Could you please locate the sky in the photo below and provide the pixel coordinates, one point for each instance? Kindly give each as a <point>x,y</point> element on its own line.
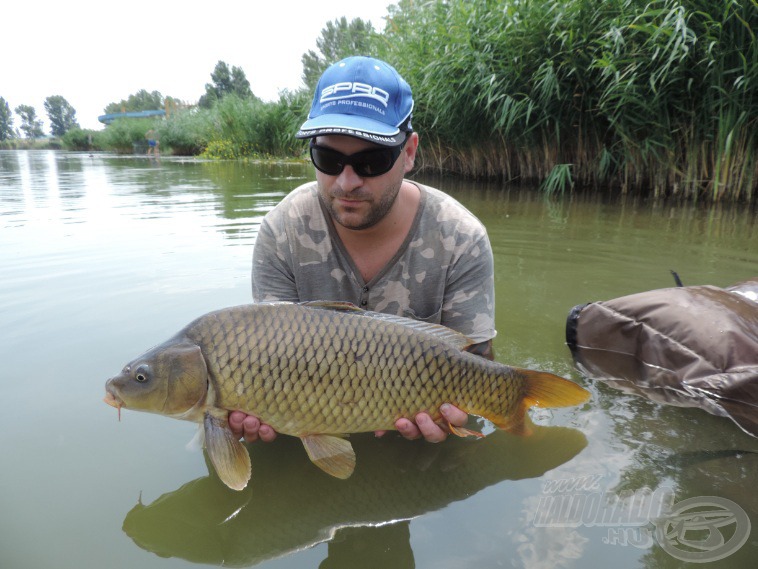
<point>94,53</point>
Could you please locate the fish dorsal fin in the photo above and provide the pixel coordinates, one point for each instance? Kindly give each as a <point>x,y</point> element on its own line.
<point>339,306</point>
<point>448,335</point>
<point>333,455</point>
<point>229,457</point>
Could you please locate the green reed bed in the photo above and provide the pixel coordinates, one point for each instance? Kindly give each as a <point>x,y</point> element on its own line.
<point>648,96</point>
<point>248,127</point>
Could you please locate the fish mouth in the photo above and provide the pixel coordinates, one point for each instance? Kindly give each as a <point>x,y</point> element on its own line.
<point>113,401</point>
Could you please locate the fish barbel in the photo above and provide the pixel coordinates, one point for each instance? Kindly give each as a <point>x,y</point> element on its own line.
<point>319,371</point>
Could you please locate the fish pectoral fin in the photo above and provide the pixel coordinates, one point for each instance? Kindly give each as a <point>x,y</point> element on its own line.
<point>228,455</point>
<point>333,455</point>
<point>463,432</point>
<point>198,441</point>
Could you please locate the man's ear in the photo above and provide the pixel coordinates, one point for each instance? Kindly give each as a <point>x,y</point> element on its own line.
<point>410,151</point>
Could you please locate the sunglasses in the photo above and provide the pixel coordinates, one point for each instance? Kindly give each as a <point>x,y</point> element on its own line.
<point>366,164</point>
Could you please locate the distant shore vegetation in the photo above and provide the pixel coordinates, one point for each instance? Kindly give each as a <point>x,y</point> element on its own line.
<point>655,97</point>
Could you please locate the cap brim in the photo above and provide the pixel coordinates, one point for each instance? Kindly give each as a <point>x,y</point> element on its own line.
<point>351,125</point>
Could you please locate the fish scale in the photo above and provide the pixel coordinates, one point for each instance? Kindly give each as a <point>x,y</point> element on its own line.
<point>400,357</point>
<point>321,370</point>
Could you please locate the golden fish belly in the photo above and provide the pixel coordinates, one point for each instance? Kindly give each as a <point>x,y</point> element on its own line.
<point>307,371</point>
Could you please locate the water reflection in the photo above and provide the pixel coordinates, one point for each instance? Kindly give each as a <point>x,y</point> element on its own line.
<point>117,252</point>
<point>364,519</point>
<point>692,454</point>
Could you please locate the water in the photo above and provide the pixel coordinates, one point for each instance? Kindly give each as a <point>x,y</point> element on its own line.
<point>105,256</point>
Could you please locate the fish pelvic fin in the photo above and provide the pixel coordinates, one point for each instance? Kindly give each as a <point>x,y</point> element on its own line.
<point>463,432</point>
<point>334,455</point>
<point>228,455</point>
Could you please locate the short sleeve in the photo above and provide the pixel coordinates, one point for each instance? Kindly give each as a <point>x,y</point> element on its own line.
<point>272,276</point>
<point>469,302</point>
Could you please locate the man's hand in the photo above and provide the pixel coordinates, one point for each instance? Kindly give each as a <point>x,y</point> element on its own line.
<point>250,428</point>
<point>425,427</point>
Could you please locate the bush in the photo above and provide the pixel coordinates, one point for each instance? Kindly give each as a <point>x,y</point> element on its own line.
<point>186,132</point>
<point>280,121</point>
<point>125,136</point>
<point>251,128</point>
<point>81,139</point>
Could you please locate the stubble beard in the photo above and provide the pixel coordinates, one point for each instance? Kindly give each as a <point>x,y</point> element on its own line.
<point>374,215</point>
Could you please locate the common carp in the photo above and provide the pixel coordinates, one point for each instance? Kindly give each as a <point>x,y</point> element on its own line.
<point>319,371</point>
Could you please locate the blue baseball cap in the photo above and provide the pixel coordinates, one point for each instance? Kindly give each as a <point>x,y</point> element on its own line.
<point>361,97</point>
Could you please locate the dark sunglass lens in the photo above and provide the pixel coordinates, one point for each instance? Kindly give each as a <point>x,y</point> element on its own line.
<point>374,164</point>
<point>326,160</point>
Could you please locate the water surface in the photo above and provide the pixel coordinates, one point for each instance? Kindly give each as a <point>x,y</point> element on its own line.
<point>104,256</point>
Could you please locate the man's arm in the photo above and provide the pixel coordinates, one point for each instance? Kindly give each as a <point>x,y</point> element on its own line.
<point>251,429</point>
<point>483,349</point>
<point>273,280</point>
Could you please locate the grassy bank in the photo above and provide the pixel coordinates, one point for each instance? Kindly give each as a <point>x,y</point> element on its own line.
<point>233,128</point>
<point>31,144</point>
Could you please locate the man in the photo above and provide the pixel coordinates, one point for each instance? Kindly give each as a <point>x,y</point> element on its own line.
<point>363,234</point>
<point>152,142</point>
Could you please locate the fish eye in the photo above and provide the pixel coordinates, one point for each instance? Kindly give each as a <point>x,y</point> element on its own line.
<point>142,373</point>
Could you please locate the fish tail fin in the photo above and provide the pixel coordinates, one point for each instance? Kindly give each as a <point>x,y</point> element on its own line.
<point>541,389</point>
<point>547,390</point>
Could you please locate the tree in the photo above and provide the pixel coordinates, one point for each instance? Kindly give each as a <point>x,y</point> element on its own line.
<point>6,121</point>
<point>225,82</point>
<point>61,114</point>
<point>339,39</point>
<point>30,124</point>
<point>139,101</point>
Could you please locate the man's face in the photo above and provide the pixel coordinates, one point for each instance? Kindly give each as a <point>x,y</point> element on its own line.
<point>355,202</point>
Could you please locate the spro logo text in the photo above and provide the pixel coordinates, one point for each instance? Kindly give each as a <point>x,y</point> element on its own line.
<point>349,89</point>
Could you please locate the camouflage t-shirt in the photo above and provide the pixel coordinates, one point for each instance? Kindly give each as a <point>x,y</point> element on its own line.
<point>442,273</point>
